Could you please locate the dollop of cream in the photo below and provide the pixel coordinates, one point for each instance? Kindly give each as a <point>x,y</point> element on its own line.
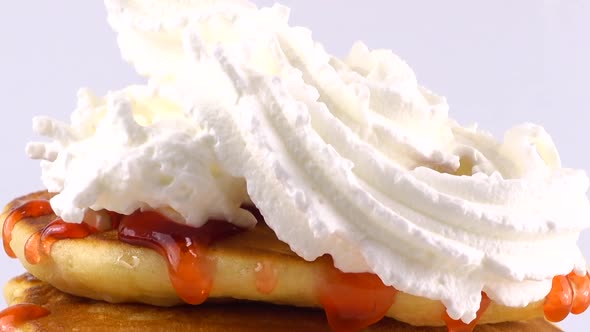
<point>348,157</point>
<point>135,150</point>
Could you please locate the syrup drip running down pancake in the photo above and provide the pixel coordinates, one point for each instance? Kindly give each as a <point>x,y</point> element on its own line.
<point>246,265</point>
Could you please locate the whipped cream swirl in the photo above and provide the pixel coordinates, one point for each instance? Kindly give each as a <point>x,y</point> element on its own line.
<point>348,157</point>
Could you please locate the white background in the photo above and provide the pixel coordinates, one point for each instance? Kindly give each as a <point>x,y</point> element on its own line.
<point>499,63</point>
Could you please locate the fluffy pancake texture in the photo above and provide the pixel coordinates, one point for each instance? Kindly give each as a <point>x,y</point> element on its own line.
<point>74,313</point>
<point>103,268</point>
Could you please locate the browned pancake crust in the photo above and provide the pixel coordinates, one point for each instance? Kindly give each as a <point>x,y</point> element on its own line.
<point>70,313</point>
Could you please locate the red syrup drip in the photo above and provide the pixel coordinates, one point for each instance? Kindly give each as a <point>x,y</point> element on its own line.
<point>31,209</point>
<point>16,315</point>
<point>38,246</point>
<point>558,302</point>
<point>185,248</point>
<point>459,326</point>
<point>266,276</point>
<point>353,301</point>
<point>581,287</point>
<point>569,294</point>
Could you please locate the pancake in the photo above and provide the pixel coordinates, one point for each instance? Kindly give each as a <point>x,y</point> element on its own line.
<point>103,268</point>
<point>70,313</point>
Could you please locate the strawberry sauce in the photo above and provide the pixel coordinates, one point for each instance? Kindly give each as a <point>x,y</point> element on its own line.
<point>266,276</point>
<point>39,244</point>
<point>353,301</point>
<point>569,294</point>
<point>190,269</point>
<point>581,287</point>
<point>16,315</point>
<point>31,209</point>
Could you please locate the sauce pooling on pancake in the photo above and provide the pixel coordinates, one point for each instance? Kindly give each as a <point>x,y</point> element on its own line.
<point>352,301</point>
<point>16,315</point>
<point>30,209</point>
<point>40,243</point>
<point>190,269</point>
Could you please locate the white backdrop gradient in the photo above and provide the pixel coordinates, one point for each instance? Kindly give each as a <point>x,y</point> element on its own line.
<point>499,63</point>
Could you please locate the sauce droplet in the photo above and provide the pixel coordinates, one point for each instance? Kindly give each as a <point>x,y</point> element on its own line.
<point>558,302</point>
<point>581,288</point>
<point>31,209</point>
<point>184,247</point>
<point>16,315</point>
<point>38,246</point>
<point>353,301</point>
<point>459,326</point>
<point>266,276</point>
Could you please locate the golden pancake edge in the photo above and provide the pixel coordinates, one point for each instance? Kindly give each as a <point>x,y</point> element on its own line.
<point>102,268</point>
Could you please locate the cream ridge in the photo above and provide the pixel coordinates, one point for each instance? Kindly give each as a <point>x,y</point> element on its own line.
<point>348,157</point>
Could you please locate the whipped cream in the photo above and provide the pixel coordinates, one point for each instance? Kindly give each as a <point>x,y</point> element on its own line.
<point>348,157</point>
<point>134,150</point>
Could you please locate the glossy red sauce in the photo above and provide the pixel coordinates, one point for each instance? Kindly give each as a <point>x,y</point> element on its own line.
<point>38,246</point>
<point>558,302</point>
<point>190,269</point>
<point>353,301</point>
<point>16,315</point>
<point>266,276</point>
<point>459,326</point>
<point>569,294</point>
<point>581,287</point>
<point>31,209</point>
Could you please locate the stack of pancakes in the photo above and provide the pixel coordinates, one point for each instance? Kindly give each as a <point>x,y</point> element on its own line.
<point>99,283</point>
